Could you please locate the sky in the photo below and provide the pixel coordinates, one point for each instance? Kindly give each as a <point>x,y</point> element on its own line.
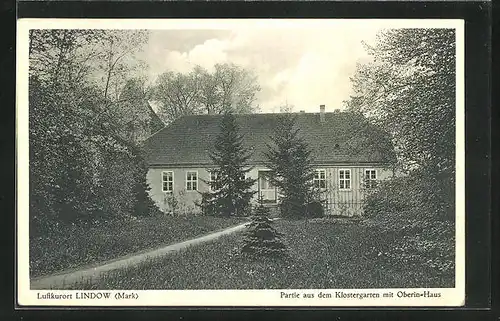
<point>303,67</point>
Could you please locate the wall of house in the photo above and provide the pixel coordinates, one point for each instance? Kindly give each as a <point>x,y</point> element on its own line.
<point>347,202</point>
<point>181,200</point>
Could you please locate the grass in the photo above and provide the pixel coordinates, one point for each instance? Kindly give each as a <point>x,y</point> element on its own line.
<point>71,246</point>
<point>325,253</point>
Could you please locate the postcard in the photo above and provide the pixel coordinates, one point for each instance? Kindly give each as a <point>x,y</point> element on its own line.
<point>240,162</point>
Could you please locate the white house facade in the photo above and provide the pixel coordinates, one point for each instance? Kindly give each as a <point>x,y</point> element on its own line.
<point>348,158</point>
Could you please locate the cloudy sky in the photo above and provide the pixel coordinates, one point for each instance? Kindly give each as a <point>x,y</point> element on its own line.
<point>304,67</point>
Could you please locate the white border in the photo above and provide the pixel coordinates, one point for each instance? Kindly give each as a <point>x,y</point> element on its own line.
<point>26,297</point>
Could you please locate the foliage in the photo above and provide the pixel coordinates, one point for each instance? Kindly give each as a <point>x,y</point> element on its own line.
<point>409,209</point>
<point>105,59</point>
<point>176,94</point>
<point>315,209</point>
<point>70,246</point>
<point>230,192</point>
<point>262,239</point>
<point>174,204</point>
<point>117,61</point>
<point>203,92</point>
<point>290,162</point>
<point>143,204</point>
<point>398,197</point>
<point>82,167</point>
<point>390,197</point>
<point>409,90</point>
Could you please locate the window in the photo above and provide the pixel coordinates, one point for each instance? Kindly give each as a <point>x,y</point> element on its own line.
<point>265,181</point>
<point>191,181</point>
<point>344,179</point>
<point>370,178</point>
<point>319,179</point>
<point>167,179</point>
<point>213,177</point>
<point>267,191</point>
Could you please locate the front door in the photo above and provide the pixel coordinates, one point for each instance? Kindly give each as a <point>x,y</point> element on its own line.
<point>267,191</point>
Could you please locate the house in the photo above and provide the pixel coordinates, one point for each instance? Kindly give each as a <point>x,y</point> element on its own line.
<point>350,156</point>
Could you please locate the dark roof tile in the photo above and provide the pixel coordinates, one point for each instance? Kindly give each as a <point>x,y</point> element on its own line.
<point>342,138</point>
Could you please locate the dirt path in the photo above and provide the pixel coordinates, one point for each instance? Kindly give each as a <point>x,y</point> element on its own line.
<point>66,279</point>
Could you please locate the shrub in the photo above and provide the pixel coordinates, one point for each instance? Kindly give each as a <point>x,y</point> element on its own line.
<point>207,207</point>
<point>294,210</point>
<point>315,209</point>
<point>391,197</point>
<point>418,223</point>
<point>421,196</point>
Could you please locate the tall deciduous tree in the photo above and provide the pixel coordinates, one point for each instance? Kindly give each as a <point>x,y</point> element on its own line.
<point>409,90</point>
<point>231,192</point>
<point>236,88</point>
<point>177,95</point>
<point>117,61</point>
<point>80,167</point>
<point>290,162</point>
<point>228,87</point>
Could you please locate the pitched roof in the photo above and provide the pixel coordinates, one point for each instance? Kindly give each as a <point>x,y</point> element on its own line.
<point>155,122</point>
<point>343,137</point>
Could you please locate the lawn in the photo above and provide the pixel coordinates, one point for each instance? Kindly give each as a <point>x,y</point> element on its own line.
<point>71,246</point>
<point>333,253</point>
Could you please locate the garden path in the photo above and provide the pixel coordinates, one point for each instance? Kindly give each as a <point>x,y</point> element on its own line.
<point>67,278</point>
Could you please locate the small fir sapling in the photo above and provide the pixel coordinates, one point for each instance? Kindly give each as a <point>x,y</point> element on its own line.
<point>262,239</point>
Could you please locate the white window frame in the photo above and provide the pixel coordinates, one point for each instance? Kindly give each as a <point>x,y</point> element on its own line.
<point>191,181</point>
<point>344,180</point>
<point>319,179</point>
<point>163,181</point>
<point>368,178</point>
<point>210,173</point>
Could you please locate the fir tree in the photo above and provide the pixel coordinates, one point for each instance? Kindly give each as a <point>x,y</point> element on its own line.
<point>230,190</point>
<point>290,162</point>
<point>262,239</point>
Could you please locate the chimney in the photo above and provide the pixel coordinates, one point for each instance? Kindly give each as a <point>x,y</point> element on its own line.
<point>322,113</point>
